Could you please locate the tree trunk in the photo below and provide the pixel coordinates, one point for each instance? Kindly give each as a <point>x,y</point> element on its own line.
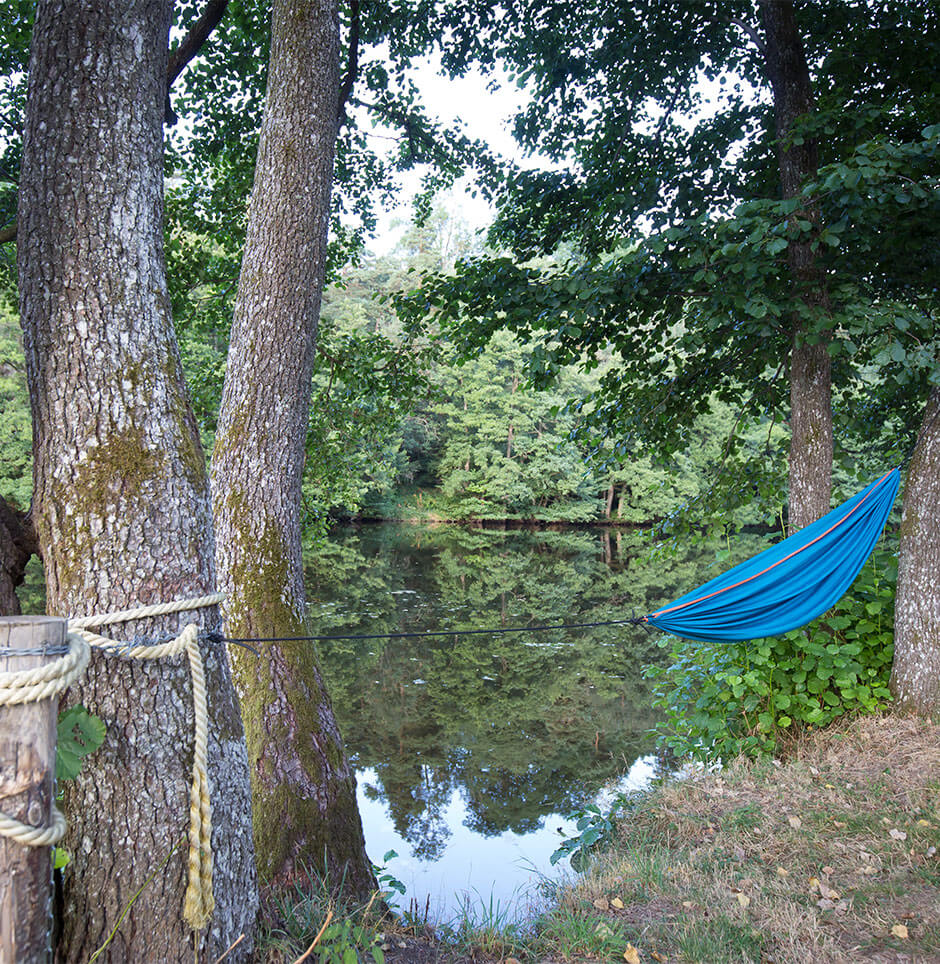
<point>609,505</point>
<point>17,545</point>
<point>810,378</point>
<point>302,784</point>
<point>120,490</point>
<point>915,673</point>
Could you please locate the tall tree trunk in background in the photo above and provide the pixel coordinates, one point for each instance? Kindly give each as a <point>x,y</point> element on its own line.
<point>303,787</point>
<point>915,672</point>
<point>17,545</point>
<point>121,497</point>
<point>810,379</point>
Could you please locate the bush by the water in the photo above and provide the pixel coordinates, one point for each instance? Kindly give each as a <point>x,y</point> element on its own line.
<point>725,699</point>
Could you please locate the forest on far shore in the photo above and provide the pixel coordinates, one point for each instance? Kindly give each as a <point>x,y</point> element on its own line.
<point>402,427</point>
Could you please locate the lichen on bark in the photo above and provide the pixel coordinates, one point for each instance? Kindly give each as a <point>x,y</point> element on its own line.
<point>120,492</point>
<point>915,671</point>
<point>303,789</point>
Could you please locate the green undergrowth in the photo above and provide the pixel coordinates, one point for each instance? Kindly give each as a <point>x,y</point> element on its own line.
<point>314,917</point>
<point>720,700</point>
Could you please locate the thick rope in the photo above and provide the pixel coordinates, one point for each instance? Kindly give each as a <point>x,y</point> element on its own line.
<point>50,679</point>
<point>199,901</point>
<point>142,612</point>
<point>32,686</point>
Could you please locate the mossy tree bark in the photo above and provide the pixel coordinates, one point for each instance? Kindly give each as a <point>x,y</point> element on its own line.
<point>303,787</point>
<point>121,499</point>
<point>915,672</point>
<point>810,470</point>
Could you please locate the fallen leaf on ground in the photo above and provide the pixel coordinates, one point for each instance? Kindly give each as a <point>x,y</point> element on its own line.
<point>602,903</point>
<point>795,822</point>
<point>688,904</point>
<point>617,903</point>
<point>923,823</point>
<point>631,955</point>
<point>828,870</point>
<point>897,834</point>
<point>899,930</point>
<point>743,900</point>
<point>783,872</point>
<point>814,883</point>
<point>659,957</point>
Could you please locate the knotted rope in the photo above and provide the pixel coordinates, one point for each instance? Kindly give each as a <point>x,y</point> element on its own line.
<point>32,686</point>
<point>199,901</point>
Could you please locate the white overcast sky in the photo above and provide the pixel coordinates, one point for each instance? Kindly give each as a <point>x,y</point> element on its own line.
<point>485,115</point>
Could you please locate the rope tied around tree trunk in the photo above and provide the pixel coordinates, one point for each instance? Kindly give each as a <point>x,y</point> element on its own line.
<point>199,901</point>
<point>33,686</point>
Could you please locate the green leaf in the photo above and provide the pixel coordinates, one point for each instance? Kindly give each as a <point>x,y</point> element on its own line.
<point>79,734</point>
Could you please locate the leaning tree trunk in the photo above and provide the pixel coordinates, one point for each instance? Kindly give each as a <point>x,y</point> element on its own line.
<point>915,672</point>
<point>303,788</point>
<point>810,486</point>
<point>121,495</point>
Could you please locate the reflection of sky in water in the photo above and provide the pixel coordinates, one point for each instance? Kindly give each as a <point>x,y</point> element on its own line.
<point>472,869</point>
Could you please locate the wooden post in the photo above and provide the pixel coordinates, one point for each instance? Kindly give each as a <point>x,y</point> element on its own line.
<point>27,776</point>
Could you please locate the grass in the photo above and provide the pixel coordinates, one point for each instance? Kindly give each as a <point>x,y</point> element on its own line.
<point>830,856</point>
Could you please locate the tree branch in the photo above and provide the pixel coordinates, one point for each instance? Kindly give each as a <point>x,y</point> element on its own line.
<point>189,47</point>
<point>352,63</point>
<point>751,32</point>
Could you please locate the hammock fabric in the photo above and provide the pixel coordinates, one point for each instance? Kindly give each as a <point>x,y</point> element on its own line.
<point>790,584</point>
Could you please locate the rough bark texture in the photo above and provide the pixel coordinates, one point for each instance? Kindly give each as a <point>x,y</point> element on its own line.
<point>810,377</point>
<point>915,672</point>
<point>303,788</point>
<point>17,544</point>
<point>121,495</point>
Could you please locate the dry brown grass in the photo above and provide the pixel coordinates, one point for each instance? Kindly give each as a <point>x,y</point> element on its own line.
<point>830,856</point>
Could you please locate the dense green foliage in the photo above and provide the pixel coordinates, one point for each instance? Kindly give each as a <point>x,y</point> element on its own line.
<point>724,699</point>
<point>667,198</point>
<point>16,433</point>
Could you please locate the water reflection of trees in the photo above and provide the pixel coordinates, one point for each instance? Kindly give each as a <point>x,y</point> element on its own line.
<point>521,725</point>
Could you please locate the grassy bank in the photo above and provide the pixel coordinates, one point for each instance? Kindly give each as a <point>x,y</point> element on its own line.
<point>829,856</point>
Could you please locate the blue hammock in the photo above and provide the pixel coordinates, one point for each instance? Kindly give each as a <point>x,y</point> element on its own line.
<point>790,584</point>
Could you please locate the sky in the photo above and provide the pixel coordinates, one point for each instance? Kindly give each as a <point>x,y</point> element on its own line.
<point>485,114</point>
<point>485,105</point>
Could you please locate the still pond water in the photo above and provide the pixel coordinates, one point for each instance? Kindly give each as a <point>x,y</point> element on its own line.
<point>471,750</point>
